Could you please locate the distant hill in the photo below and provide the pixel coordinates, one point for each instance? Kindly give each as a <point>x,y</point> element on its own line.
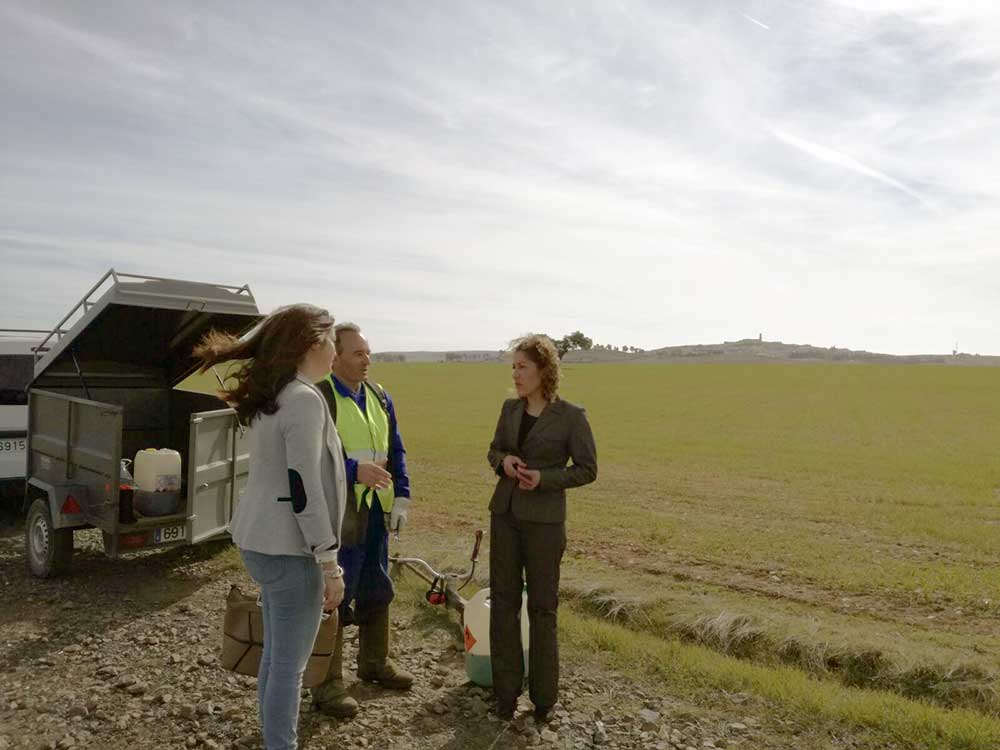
<point>468,355</point>
<point>744,350</point>
<point>757,350</point>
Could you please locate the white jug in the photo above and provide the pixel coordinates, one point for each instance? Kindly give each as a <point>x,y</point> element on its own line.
<point>157,470</point>
<point>476,621</point>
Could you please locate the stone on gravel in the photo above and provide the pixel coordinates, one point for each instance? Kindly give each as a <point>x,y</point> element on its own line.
<point>649,720</point>
<point>549,736</point>
<point>600,733</point>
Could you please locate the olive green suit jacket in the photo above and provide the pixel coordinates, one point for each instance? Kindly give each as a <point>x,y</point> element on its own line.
<point>561,434</point>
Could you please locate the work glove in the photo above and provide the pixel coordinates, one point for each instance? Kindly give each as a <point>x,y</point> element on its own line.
<point>397,518</point>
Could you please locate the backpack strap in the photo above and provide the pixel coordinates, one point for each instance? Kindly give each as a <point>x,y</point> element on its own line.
<point>326,389</point>
<point>383,399</point>
<point>380,392</point>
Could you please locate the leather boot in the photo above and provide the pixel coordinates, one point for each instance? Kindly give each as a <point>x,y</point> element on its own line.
<point>331,696</point>
<point>374,664</point>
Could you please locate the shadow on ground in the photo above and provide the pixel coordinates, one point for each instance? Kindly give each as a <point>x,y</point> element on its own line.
<point>101,593</point>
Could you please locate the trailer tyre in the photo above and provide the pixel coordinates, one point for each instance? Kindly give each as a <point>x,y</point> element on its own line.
<point>49,550</point>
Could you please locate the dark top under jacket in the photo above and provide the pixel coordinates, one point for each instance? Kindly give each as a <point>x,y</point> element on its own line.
<point>560,435</point>
<point>527,422</point>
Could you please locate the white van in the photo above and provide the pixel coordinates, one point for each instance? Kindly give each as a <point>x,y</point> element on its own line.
<point>17,361</point>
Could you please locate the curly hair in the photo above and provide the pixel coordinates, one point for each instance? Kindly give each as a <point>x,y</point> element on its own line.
<point>540,350</point>
<point>272,353</point>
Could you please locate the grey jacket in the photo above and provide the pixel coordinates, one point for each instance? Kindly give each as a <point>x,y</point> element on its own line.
<point>296,491</point>
<point>561,433</point>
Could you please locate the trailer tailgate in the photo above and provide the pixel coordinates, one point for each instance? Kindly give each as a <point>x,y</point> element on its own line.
<point>218,463</point>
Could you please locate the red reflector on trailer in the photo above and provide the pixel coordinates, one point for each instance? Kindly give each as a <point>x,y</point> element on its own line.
<point>71,506</point>
<point>132,540</point>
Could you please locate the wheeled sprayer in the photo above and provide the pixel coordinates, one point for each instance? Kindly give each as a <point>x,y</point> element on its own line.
<point>445,590</point>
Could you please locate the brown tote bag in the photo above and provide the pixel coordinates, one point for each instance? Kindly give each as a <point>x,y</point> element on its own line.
<point>243,639</point>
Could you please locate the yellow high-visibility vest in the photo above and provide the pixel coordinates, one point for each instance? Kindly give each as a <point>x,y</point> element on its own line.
<point>366,437</point>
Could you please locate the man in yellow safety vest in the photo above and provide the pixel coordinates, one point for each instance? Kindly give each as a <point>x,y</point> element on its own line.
<point>378,498</point>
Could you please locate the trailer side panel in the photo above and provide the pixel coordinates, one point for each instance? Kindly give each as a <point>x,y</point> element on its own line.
<point>76,442</point>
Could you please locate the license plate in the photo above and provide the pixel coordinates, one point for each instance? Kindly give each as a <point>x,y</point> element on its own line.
<point>165,534</point>
<point>13,457</point>
<point>13,445</point>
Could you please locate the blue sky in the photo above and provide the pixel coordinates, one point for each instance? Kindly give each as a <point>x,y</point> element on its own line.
<point>450,175</point>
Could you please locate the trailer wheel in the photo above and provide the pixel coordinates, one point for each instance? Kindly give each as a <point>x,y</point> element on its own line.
<point>49,550</point>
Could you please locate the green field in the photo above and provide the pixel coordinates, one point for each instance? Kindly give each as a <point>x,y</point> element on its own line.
<point>839,520</point>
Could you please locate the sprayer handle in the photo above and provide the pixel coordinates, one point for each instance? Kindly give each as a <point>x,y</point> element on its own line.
<point>479,540</point>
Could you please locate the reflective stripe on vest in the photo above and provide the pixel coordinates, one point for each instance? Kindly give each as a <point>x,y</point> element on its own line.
<point>366,439</point>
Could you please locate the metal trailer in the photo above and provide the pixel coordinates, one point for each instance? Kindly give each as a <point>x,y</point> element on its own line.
<point>103,390</point>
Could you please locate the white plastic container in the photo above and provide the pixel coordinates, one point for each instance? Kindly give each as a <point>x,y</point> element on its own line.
<point>157,470</point>
<point>476,622</point>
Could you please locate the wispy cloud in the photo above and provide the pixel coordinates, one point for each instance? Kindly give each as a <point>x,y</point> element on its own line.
<point>751,19</point>
<point>62,37</point>
<point>832,156</point>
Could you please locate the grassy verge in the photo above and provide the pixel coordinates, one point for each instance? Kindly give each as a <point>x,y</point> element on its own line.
<point>936,678</point>
<point>692,670</point>
<point>856,645</point>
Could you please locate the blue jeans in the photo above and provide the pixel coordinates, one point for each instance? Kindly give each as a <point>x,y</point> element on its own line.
<point>291,590</point>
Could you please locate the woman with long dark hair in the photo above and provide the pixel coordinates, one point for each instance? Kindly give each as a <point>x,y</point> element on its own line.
<point>287,524</point>
<point>537,435</point>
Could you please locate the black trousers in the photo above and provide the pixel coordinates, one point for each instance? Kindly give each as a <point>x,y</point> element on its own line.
<point>536,550</point>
